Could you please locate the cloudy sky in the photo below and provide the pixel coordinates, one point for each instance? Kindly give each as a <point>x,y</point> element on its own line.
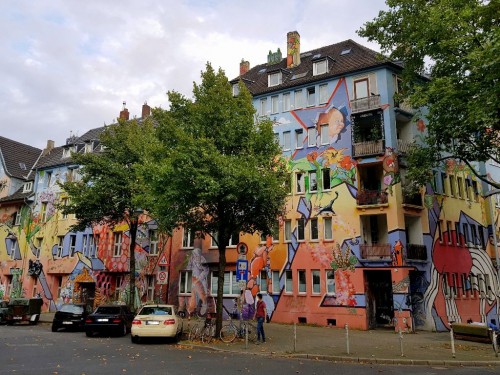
<point>68,65</point>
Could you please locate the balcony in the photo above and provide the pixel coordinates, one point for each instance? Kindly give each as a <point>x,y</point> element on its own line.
<point>416,252</point>
<point>404,146</point>
<point>375,251</point>
<point>413,200</point>
<point>368,148</point>
<point>371,197</point>
<point>405,107</point>
<point>365,104</point>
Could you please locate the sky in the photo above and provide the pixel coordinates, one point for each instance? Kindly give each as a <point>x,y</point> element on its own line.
<point>67,66</point>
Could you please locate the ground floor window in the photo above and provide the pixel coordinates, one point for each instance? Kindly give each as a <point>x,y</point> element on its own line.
<point>185,282</point>
<point>231,287</point>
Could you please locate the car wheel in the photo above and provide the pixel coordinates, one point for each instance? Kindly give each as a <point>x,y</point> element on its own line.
<point>54,328</point>
<point>89,333</point>
<point>123,330</point>
<point>134,339</point>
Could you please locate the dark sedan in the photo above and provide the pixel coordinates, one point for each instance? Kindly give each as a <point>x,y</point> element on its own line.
<point>71,316</point>
<point>115,319</point>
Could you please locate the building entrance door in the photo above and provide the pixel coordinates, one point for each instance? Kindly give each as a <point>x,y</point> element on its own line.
<point>379,301</point>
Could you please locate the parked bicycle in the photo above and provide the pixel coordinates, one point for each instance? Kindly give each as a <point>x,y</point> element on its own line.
<point>203,332</point>
<point>232,330</point>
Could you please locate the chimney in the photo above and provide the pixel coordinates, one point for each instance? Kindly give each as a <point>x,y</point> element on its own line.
<point>50,147</point>
<point>244,67</point>
<point>292,49</point>
<point>124,114</point>
<point>146,110</point>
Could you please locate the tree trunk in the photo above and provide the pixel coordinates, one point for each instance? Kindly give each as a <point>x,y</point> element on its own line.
<point>133,235</point>
<point>220,287</point>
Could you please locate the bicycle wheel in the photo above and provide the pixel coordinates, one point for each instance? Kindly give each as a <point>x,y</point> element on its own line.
<point>252,331</point>
<point>228,334</point>
<point>194,333</point>
<point>208,334</point>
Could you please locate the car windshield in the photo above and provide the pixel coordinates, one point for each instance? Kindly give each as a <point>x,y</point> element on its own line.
<point>108,310</point>
<point>156,310</point>
<point>75,309</point>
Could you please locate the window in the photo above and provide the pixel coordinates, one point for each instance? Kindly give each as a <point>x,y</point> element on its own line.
<point>299,138</point>
<point>59,285</point>
<point>467,189</point>
<point>443,183</point>
<point>73,174</point>
<point>233,240</point>
<point>263,107</point>
<point>327,228</point>
<point>460,184</point>
<point>320,67</point>
<point>150,292</point>
<point>275,233</point>
<point>326,179</point>
<point>463,281</point>
<point>117,244</point>
<point>466,233</point>
<point>316,281</point>
<point>457,233</point>
<point>454,279</point>
<point>275,281</point>
<point>274,104</point>
<point>67,152</point>
<point>48,179</point>
<point>274,79</point>
<point>91,246</point>
<point>299,186</point>
<point>64,202</point>
<point>96,245</point>
<point>17,220</point>
<point>236,89</point>
<point>287,228</point>
<point>27,187</point>
<point>452,185</point>
<point>60,246</point>
<point>288,281</point>
<point>313,225</point>
<point>323,94</point>
<point>185,282</point>
<point>263,281</point>
<point>481,285</point>
<point>323,130</point>
<point>330,282</point>
<point>187,238</point>
<point>298,99</point>
<point>311,96</point>
<point>35,286</point>
<point>361,88</point>
<point>84,246</point>
<point>311,137</point>
<point>475,190</point>
<point>72,244</point>
<point>153,242</point>
<point>474,235</point>
<point>301,279</point>
<point>313,182</point>
<point>89,146</point>
<point>231,286</point>
<point>286,102</point>
<point>446,287</point>
<point>301,224</point>
<point>440,230</point>
<point>448,231</point>
<point>287,141</point>
<point>43,212</point>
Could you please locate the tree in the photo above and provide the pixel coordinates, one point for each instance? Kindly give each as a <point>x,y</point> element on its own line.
<point>457,44</point>
<point>217,170</point>
<point>109,188</point>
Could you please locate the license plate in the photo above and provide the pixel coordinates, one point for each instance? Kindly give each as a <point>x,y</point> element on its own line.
<point>67,323</point>
<point>152,322</point>
<point>18,317</point>
<point>102,320</point>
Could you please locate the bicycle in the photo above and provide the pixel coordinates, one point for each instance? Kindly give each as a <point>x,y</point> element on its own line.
<point>205,332</point>
<point>230,331</point>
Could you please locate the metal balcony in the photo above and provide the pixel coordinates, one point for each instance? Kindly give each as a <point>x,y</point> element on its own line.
<point>375,251</point>
<point>365,104</point>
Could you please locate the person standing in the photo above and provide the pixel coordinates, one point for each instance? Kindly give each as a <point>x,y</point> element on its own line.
<point>260,315</point>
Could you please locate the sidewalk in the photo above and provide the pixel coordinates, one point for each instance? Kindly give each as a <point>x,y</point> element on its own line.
<point>376,346</point>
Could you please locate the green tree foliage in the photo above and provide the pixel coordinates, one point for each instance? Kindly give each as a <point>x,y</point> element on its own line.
<point>217,169</point>
<point>456,43</point>
<point>109,188</point>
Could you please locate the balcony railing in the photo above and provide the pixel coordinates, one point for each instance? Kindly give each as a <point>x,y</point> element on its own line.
<point>404,146</point>
<point>368,148</point>
<point>365,104</point>
<point>404,107</point>
<point>371,197</point>
<point>413,199</point>
<point>416,252</point>
<point>375,251</point>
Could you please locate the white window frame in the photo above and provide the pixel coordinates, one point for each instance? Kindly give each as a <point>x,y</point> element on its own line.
<point>117,244</point>
<point>311,137</point>
<point>274,79</point>
<point>311,96</point>
<point>43,212</point>
<point>275,277</point>
<point>72,244</point>
<point>287,140</point>
<point>320,67</point>
<point>27,187</point>
<point>300,183</point>
<point>323,93</point>
<point>274,104</point>
<point>330,282</point>
<point>60,247</point>
<point>185,282</point>
<point>263,106</point>
<point>323,133</point>
<point>263,280</point>
<point>187,238</point>
<point>315,281</point>
<point>288,281</point>
<point>327,228</point>
<point>287,230</point>
<point>17,221</point>
<point>301,229</point>
<point>236,89</point>
<point>89,147</point>
<point>286,102</point>
<point>301,282</point>
<point>233,288</point>
<point>367,89</point>
<point>313,182</point>
<point>313,229</point>
<point>85,245</point>
<point>96,245</point>
<point>91,246</point>
<point>299,138</point>
<point>153,242</point>
<point>298,101</point>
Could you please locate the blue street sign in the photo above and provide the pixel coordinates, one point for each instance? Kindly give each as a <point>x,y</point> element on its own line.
<point>242,270</point>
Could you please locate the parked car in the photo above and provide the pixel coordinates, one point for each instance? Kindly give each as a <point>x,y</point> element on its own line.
<point>109,319</point>
<point>71,316</point>
<point>156,321</point>
<point>4,309</point>
<point>24,310</point>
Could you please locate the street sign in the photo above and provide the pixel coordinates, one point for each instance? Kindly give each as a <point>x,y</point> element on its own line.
<point>242,248</point>
<point>163,262</point>
<point>162,277</point>
<point>242,270</point>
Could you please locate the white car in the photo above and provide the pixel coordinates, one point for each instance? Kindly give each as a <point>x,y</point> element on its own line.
<point>156,321</point>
